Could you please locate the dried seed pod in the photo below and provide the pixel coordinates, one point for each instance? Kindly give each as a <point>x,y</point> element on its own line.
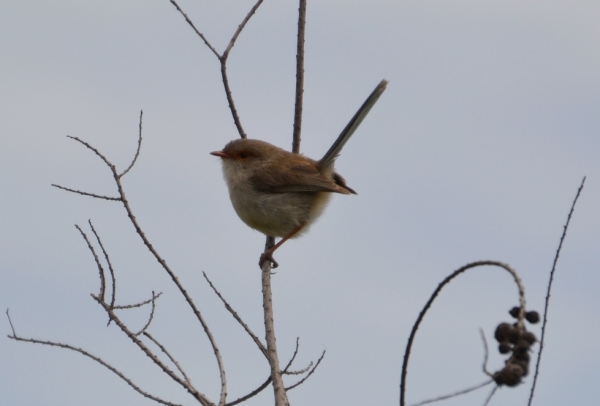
<point>513,334</point>
<point>529,337</point>
<point>510,375</point>
<point>504,348</point>
<point>514,312</point>
<point>502,332</point>
<point>532,317</point>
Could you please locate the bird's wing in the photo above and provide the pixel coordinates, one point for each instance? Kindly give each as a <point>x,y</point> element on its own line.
<point>298,176</point>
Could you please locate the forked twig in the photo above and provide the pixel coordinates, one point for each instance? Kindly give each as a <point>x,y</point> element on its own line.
<point>110,267</point>
<point>547,303</point>
<point>431,300</point>
<point>150,318</point>
<point>300,382</point>
<point>97,260</point>
<point>223,58</point>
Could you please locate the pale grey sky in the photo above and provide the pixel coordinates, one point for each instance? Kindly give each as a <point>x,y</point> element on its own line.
<point>489,123</point>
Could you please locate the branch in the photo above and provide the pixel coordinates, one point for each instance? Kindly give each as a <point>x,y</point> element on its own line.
<point>562,239</point>
<point>140,304</point>
<point>110,268</point>
<point>485,353</point>
<point>251,394</point>
<point>462,392</point>
<point>87,194</point>
<point>137,152</point>
<point>260,345</point>
<point>93,357</point>
<point>97,260</point>
<point>150,318</point>
<point>195,29</point>
<point>173,360</point>
<point>434,295</point>
<point>299,77</point>
<point>308,375</point>
<point>278,387</point>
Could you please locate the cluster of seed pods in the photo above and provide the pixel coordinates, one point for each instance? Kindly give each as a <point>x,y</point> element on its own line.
<point>514,339</point>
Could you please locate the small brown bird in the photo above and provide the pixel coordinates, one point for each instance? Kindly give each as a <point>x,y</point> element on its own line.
<point>280,193</point>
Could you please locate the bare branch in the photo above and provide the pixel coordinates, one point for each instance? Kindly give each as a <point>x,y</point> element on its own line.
<point>485,353</point>
<point>289,364</point>
<point>137,152</point>
<point>173,360</point>
<point>186,385</point>
<point>195,29</point>
<point>308,375</point>
<point>131,306</point>
<point>97,260</point>
<point>10,322</point>
<point>462,392</point>
<point>240,28</point>
<point>93,357</point>
<point>487,401</point>
<point>278,387</point>
<point>299,77</point>
<point>110,268</point>
<point>150,318</point>
<point>299,372</point>
<point>106,161</point>
<point>251,394</point>
<point>562,239</point>
<point>87,194</point>
<point>234,113</point>
<point>237,317</point>
<point>434,295</point>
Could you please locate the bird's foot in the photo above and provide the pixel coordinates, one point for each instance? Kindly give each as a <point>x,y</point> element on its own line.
<point>267,256</point>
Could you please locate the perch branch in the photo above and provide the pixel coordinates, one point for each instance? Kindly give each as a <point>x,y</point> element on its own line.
<point>562,239</point>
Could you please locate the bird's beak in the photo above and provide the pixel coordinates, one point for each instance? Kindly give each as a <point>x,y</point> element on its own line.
<point>220,154</point>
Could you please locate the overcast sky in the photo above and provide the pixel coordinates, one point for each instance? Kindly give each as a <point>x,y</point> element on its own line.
<point>490,121</point>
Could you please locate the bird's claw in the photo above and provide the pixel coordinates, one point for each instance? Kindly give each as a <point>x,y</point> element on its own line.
<point>267,256</point>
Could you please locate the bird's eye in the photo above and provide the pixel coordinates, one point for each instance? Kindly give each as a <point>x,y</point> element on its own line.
<point>244,155</point>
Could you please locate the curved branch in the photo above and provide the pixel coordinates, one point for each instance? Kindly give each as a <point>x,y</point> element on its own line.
<point>462,392</point>
<point>547,303</point>
<point>434,295</point>
<point>251,394</point>
<point>308,375</point>
<point>97,260</point>
<point>137,152</point>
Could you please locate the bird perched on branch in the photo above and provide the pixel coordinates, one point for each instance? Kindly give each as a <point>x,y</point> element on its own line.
<point>280,193</point>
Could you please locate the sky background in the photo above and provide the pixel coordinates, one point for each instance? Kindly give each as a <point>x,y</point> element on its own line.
<point>490,121</point>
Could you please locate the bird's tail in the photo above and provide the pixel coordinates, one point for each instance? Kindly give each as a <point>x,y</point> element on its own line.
<point>330,156</point>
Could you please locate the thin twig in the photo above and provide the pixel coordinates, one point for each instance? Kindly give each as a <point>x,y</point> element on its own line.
<point>150,318</point>
<point>137,152</point>
<point>307,375</point>
<point>140,304</point>
<point>236,316</point>
<point>299,78</point>
<point>432,298</point>
<point>10,322</point>
<point>87,193</point>
<point>240,28</point>
<point>462,392</point>
<point>487,401</point>
<point>110,267</point>
<point>93,357</point>
<point>485,353</point>
<point>298,372</point>
<point>97,260</point>
<point>562,238</point>
<point>289,364</point>
<point>195,29</point>
<point>173,360</point>
<point>251,394</point>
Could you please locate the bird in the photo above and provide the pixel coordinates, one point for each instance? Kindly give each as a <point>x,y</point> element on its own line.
<point>280,193</point>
